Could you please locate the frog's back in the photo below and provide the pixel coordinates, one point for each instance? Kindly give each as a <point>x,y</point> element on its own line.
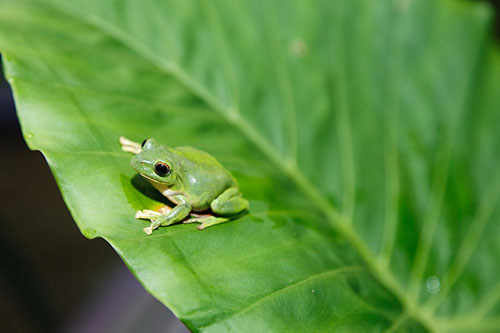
<point>198,156</point>
<point>203,176</point>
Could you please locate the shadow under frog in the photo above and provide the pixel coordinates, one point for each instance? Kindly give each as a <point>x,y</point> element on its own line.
<point>141,185</point>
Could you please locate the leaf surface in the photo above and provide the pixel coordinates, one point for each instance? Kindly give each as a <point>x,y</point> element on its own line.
<point>364,133</point>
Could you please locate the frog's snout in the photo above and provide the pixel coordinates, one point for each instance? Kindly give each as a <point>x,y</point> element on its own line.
<point>135,163</point>
<point>140,165</point>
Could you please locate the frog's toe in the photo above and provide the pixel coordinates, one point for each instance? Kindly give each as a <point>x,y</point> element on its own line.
<point>199,218</point>
<point>148,230</point>
<point>199,214</point>
<point>147,214</point>
<point>130,146</point>
<point>207,222</point>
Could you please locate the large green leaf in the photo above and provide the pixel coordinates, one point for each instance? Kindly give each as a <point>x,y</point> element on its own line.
<point>365,134</point>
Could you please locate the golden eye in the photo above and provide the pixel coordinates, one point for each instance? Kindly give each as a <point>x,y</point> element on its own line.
<point>162,169</point>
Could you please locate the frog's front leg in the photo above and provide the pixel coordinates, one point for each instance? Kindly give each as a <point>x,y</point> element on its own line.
<point>177,214</point>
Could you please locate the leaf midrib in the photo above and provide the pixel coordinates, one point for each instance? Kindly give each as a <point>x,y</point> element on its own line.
<point>232,116</point>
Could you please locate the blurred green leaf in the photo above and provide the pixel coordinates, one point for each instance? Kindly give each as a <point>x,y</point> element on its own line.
<point>365,133</point>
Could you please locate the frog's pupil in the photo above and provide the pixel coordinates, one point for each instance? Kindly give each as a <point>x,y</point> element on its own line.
<point>161,169</point>
<point>143,143</point>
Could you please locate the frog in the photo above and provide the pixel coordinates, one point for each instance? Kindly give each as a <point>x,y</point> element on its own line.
<point>202,190</point>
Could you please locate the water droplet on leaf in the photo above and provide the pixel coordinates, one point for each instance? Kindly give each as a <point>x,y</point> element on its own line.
<point>433,284</point>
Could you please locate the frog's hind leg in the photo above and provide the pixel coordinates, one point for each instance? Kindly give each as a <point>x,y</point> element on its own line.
<point>229,203</point>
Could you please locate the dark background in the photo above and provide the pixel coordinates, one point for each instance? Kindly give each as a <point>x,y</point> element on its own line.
<point>51,277</point>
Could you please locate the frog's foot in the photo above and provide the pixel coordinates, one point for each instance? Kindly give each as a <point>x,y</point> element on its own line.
<point>212,221</point>
<point>155,224</point>
<point>166,216</point>
<point>130,146</point>
<point>197,218</point>
<point>147,214</point>
<point>207,221</point>
<point>151,215</point>
<point>200,215</point>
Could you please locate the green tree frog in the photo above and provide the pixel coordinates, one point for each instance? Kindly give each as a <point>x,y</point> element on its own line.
<point>191,179</point>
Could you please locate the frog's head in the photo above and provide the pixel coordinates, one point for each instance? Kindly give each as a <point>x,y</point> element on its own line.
<point>155,163</point>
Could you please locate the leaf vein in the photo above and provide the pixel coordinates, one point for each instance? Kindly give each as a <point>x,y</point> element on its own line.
<point>267,297</point>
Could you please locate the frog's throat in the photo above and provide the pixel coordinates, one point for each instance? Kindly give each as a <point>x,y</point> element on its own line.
<point>162,187</point>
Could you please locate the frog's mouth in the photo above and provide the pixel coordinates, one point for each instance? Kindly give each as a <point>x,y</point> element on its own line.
<point>155,182</point>
<point>150,179</point>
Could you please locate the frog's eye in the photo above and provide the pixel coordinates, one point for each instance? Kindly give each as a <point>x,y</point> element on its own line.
<point>162,169</point>
<point>144,142</point>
